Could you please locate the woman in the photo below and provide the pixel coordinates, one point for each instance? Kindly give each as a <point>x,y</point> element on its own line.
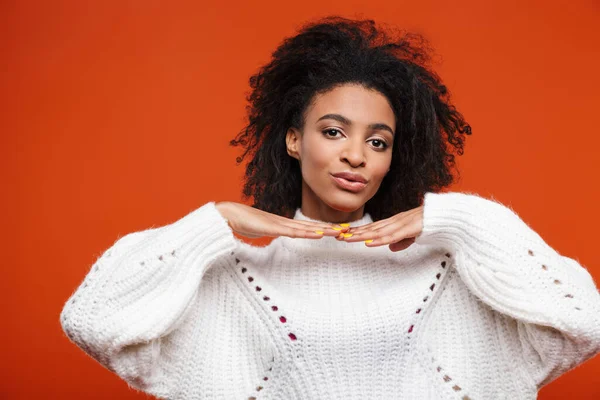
<point>351,140</point>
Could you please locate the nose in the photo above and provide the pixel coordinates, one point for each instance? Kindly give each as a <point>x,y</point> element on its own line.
<point>353,153</point>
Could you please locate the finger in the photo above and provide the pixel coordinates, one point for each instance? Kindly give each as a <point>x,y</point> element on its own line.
<point>389,234</point>
<point>373,233</point>
<point>386,239</point>
<point>373,226</point>
<point>342,232</point>
<point>381,223</point>
<point>323,229</point>
<point>295,232</point>
<point>401,245</point>
<point>368,227</point>
<point>406,232</point>
<point>392,225</point>
<point>340,227</point>
<point>366,231</point>
<point>307,225</point>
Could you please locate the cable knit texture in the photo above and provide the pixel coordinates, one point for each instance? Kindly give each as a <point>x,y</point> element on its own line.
<point>479,307</point>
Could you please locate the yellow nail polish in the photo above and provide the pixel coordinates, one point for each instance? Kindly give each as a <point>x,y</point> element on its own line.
<point>319,232</point>
<point>369,241</point>
<point>347,234</point>
<point>336,228</point>
<point>345,225</point>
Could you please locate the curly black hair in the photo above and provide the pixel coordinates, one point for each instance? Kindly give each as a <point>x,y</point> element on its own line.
<point>330,52</point>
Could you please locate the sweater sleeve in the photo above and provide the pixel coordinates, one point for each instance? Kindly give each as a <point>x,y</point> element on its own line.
<point>139,290</point>
<point>553,299</point>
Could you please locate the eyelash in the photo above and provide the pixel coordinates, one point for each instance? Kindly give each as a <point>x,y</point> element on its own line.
<point>385,145</point>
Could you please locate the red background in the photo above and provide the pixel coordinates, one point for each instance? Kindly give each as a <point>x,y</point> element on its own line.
<point>116,116</point>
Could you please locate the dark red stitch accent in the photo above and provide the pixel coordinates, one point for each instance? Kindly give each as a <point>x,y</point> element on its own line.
<point>438,275</point>
<point>425,299</point>
<point>160,258</point>
<point>544,267</point>
<point>410,329</point>
<point>443,264</point>
<point>274,308</point>
<point>265,379</point>
<point>530,252</point>
<point>448,255</point>
<point>418,311</point>
<point>569,295</point>
<point>431,287</point>
<point>259,388</point>
<point>237,260</point>
<point>244,270</point>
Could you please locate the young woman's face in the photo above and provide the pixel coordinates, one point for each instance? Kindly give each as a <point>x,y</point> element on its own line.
<point>349,129</point>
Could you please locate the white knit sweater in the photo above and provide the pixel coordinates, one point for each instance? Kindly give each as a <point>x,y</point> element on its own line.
<point>479,307</point>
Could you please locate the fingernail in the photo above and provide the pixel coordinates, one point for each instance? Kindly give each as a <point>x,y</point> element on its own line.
<point>319,232</point>
<point>347,234</point>
<point>369,241</point>
<point>345,225</point>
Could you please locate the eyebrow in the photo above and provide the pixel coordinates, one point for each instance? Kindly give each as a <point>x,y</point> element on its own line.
<point>346,121</point>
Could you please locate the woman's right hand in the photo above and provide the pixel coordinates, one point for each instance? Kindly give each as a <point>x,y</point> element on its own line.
<point>254,223</point>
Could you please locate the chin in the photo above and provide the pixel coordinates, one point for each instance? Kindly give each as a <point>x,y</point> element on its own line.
<point>346,205</point>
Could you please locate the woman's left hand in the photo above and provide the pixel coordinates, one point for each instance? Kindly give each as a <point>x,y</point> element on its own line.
<point>398,231</point>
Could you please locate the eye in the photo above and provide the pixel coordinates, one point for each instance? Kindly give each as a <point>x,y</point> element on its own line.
<point>327,131</point>
<point>380,144</point>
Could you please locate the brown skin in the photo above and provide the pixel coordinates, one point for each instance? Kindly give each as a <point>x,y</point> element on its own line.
<point>360,142</point>
<point>253,223</point>
<point>328,146</point>
<point>398,231</point>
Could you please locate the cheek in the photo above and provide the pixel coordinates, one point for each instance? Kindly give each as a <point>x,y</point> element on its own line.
<point>380,167</point>
<point>314,172</point>
<point>316,157</point>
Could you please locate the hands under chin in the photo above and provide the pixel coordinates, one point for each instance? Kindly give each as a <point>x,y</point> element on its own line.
<point>398,231</point>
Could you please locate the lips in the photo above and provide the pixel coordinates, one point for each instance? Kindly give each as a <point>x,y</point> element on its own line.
<point>350,182</point>
<point>350,176</point>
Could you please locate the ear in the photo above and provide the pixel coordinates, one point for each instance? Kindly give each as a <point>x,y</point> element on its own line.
<point>292,142</point>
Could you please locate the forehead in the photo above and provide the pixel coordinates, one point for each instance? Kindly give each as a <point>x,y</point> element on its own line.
<point>355,102</point>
